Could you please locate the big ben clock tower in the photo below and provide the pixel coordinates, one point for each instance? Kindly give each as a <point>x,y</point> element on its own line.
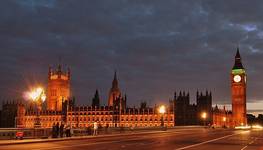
<point>238,89</point>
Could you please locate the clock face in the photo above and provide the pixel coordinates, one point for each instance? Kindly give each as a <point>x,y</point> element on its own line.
<point>237,78</point>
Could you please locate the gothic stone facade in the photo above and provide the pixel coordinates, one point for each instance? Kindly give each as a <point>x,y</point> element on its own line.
<point>237,117</point>
<point>85,116</point>
<point>180,112</point>
<point>190,114</point>
<point>63,110</point>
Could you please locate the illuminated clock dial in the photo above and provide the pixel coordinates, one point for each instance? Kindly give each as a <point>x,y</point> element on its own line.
<point>237,78</point>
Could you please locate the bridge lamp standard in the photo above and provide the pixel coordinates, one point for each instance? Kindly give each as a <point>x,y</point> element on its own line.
<point>162,111</point>
<point>204,116</point>
<point>224,120</point>
<point>37,96</point>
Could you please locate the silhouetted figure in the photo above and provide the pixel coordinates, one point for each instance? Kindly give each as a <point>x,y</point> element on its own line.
<point>54,130</point>
<point>71,131</point>
<point>57,129</point>
<point>61,130</point>
<point>68,131</point>
<point>106,129</point>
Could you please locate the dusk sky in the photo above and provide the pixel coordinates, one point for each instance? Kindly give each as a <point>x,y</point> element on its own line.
<point>157,47</point>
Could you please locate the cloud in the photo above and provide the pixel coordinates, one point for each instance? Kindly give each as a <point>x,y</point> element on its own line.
<point>157,47</point>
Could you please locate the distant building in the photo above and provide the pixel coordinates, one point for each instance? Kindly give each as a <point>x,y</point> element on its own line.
<point>204,105</point>
<point>62,109</point>
<point>238,91</point>
<point>251,119</point>
<point>9,113</point>
<point>190,114</point>
<point>58,89</point>
<point>222,117</point>
<point>114,91</point>
<point>96,100</point>
<point>185,113</point>
<point>238,116</point>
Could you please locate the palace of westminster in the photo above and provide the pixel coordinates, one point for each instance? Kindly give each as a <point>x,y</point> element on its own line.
<point>61,108</point>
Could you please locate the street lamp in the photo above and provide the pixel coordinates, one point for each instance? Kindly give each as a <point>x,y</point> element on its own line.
<point>37,96</point>
<point>162,111</point>
<point>224,120</point>
<point>204,116</point>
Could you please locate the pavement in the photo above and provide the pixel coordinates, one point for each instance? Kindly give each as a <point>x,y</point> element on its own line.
<point>173,139</point>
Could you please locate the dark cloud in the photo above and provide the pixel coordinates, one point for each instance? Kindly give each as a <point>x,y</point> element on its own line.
<point>157,47</point>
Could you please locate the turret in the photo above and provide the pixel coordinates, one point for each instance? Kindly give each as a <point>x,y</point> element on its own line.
<point>96,99</point>
<point>59,69</point>
<point>174,95</point>
<point>114,91</point>
<point>58,73</point>
<point>49,72</point>
<point>58,87</point>
<point>69,73</point>
<point>115,82</point>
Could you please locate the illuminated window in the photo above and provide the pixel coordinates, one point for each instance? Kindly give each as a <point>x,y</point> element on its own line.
<point>53,92</point>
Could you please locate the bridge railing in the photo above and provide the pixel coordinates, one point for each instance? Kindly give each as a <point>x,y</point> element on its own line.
<point>28,133</point>
<point>32,133</point>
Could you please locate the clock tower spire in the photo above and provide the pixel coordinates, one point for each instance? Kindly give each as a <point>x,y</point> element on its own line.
<point>238,63</point>
<point>238,92</point>
<point>114,91</point>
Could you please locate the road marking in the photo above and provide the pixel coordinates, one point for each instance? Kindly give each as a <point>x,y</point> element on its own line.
<point>244,147</point>
<point>108,142</point>
<point>88,144</point>
<point>209,141</point>
<point>165,134</point>
<point>248,144</point>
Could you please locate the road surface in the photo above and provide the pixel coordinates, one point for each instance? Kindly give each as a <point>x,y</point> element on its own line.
<point>174,139</point>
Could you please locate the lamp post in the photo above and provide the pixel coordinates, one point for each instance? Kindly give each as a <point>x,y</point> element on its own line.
<point>162,111</point>
<point>224,120</point>
<point>37,96</point>
<point>204,116</point>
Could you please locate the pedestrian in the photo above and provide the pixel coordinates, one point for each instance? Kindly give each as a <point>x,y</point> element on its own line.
<point>132,128</point>
<point>71,130</point>
<point>95,128</point>
<point>68,130</point>
<point>61,130</point>
<point>57,129</point>
<point>106,129</point>
<point>54,130</point>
